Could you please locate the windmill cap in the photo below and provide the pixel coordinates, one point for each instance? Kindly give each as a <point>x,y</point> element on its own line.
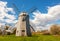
<point>23,14</point>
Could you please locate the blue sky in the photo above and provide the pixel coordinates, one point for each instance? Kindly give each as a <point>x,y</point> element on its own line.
<point>45,8</point>
<point>27,4</point>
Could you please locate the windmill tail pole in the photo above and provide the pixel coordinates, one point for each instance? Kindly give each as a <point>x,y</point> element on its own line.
<point>32,28</point>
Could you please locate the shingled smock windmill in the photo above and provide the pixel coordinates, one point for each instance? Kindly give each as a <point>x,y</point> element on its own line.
<point>23,25</point>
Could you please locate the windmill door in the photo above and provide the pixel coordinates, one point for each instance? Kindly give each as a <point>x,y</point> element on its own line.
<point>23,33</point>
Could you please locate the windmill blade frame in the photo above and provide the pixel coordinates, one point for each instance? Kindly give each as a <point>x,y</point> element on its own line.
<point>32,9</point>
<point>15,7</point>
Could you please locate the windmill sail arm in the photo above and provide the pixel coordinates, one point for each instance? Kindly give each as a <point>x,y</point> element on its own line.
<point>32,9</point>
<point>15,7</point>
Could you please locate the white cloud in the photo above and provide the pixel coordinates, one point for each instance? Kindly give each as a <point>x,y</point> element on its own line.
<point>10,18</point>
<point>10,21</point>
<point>55,12</point>
<point>41,20</point>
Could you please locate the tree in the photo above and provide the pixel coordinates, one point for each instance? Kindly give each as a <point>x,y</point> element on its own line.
<point>6,27</point>
<point>55,29</point>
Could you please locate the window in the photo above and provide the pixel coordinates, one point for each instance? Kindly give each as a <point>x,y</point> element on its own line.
<point>23,19</point>
<point>23,30</point>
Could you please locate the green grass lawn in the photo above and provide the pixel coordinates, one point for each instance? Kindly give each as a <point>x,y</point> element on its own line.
<point>33,38</point>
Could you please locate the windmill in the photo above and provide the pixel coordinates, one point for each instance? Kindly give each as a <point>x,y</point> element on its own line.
<point>23,25</point>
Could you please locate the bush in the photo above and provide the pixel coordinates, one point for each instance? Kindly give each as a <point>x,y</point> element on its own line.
<point>8,33</point>
<point>45,32</point>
